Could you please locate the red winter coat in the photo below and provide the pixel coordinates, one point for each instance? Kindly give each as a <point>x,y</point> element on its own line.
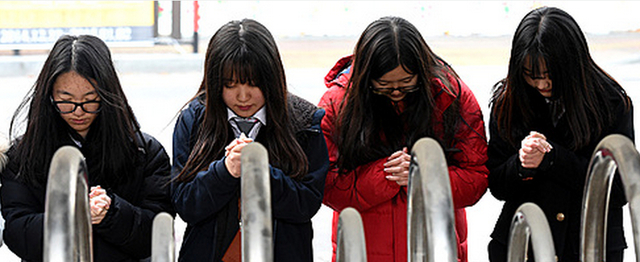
<point>382,203</point>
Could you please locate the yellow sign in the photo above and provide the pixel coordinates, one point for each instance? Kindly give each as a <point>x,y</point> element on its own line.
<point>28,23</point>
<point>54,14</point>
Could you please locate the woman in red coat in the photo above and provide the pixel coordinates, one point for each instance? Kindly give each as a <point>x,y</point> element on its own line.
<point>393,91</point>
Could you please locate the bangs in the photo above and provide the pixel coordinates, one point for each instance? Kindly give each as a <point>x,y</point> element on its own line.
<point>383,61</point>
<point>241,67</point>
<point>537,58</point>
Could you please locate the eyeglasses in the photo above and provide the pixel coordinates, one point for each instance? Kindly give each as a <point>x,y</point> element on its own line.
<point>66,107</point>
<point>402,89</point>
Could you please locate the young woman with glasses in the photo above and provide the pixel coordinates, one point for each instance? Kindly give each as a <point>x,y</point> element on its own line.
<point>547,116</point>
<point>77,101</point>
<point>393,91</point>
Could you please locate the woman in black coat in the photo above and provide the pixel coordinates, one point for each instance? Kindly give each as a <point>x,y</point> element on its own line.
<point>547,116</point>
<point>77,100</point>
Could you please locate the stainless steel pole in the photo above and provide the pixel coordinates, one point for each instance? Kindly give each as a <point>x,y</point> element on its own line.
<point>530,223</point>
<point>614,151</point>
<point>257,228</point>
<point>351,243</point>
<point>430,219</point>
<point>67,221</point>
<point>162,239</point>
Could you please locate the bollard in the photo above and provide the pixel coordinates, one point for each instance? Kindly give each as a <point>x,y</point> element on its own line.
<point>351,242</point>
<point>614,151</point>
<point>255,187</point>
<point>162,238</point>
<point>430,218</point>
<point>530,223</point>
<point>67,220</point>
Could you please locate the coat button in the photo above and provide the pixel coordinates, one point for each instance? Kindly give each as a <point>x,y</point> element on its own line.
<point>560,217</point>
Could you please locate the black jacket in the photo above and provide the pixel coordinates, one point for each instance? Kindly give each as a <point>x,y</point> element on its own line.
<point>125,232</point>
<point>209,202</point>
<point>557,184</point>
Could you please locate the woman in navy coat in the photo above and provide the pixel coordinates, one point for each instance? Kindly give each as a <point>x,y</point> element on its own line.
<point>244,82</point>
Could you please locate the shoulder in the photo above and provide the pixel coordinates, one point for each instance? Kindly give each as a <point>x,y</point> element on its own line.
<point>303,113</point>
<point>149,145</point>
<point>453,88</point>
<point>332,98</point>
<point>194,109</point>
<point>340,73</point>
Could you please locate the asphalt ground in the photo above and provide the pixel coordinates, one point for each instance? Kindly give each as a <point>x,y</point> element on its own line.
<point>159,80</point>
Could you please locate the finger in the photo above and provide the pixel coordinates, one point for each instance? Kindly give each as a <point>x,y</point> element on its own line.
<point>395,169</point>
<point>537,144</point>
<point>407,157</point>
<point>537,135</point>
<point>238,148</point>
<point>393,162</point>
<point>547,146</point>
<point>527,150</point>
<point>403,182</point>
<point>395,154</point>
<point>393,178</point>
<point>231,144</point>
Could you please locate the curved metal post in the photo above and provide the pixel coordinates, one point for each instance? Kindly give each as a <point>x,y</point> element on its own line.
<point>162,238</point>
<point>529,222</point>
<point>614,151</point>
<point>430,219</point>
<point>257,232</point>
<point>67,221</point>
<point>351,243</point>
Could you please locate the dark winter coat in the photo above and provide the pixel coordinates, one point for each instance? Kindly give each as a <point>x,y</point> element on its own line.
<point>209,202</point>
<point>557,184</point>
<point>125,232</point>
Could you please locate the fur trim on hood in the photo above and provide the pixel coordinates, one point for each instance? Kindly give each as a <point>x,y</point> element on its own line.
<point>4,147</point>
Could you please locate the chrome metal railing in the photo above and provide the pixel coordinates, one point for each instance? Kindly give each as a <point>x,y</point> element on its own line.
<point>162,238</point>
<point>351,246</point>
<point>257,228</point>
<point>530,223</point>
<point>430,217</point>
<point>613,152</point>
<point>67,219</point>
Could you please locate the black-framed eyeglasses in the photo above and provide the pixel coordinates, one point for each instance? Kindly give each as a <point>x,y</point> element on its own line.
<point>389,90</point>
<point>66,107</point>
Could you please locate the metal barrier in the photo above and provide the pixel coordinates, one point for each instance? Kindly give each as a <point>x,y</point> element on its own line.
<point>67,219</point>
<point>530,223</point>
<point>351,242</point>
<point>430,218</point>
<point>614,151</point>
<point>162,238</point>
<point>257,228</point>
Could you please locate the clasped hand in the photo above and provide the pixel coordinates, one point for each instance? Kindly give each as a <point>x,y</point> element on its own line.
<point>232,153</point>
<point>397,166</point>
<point>99,203</point>
<point>532,150</point>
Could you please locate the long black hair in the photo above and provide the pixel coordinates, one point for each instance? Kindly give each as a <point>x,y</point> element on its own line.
<point>369,127</point>
<point>112,132</point>
<point>246,52</point>
<point>551,35</point>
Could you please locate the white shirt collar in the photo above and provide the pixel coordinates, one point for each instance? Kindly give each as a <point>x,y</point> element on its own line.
<point>260,115</point>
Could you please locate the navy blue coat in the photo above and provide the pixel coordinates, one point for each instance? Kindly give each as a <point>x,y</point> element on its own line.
<point>208,203</point>
<point>125,232</point>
